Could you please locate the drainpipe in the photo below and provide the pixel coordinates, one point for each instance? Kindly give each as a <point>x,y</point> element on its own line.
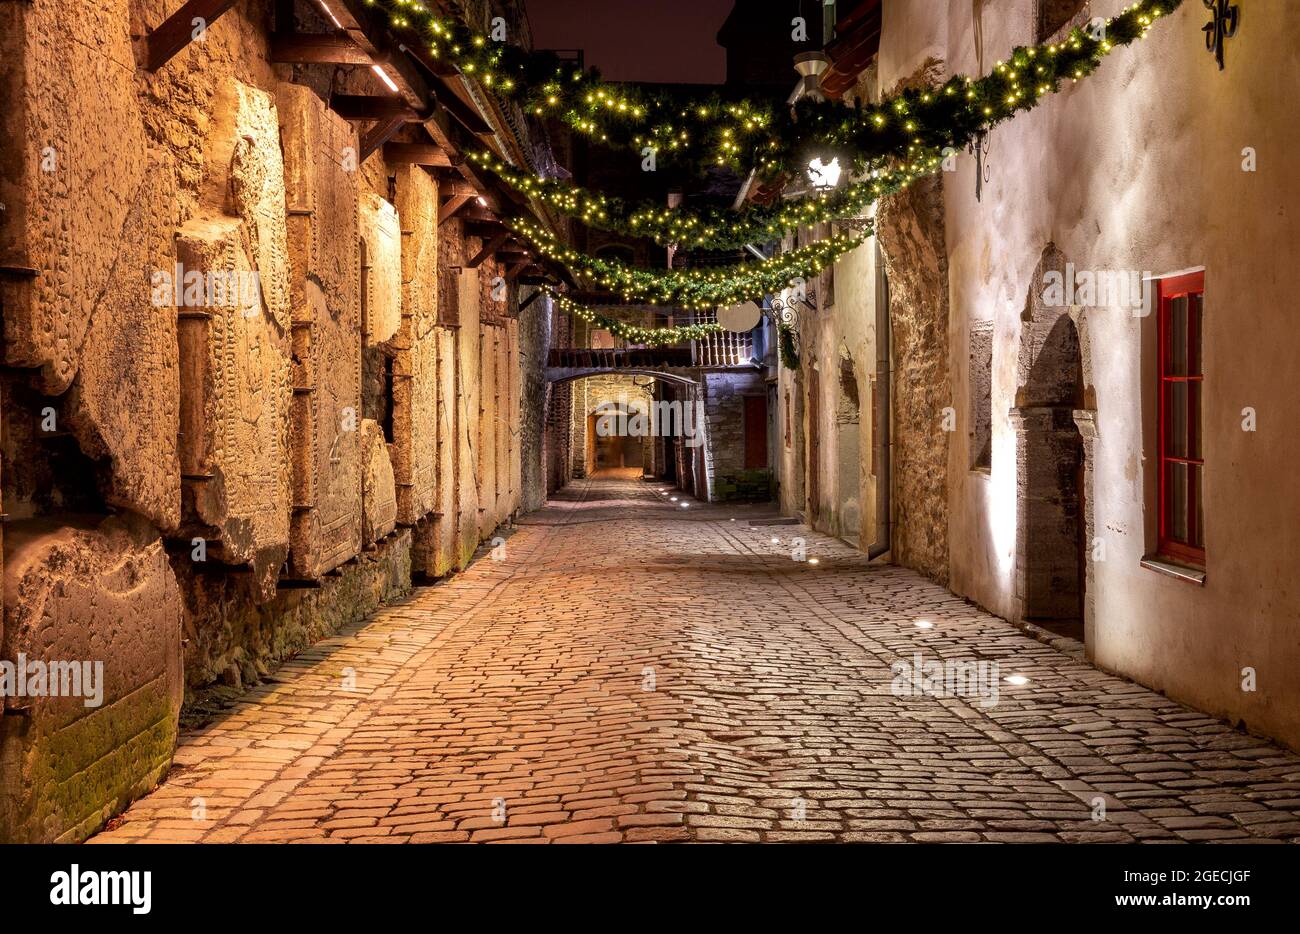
<point>880,417</point>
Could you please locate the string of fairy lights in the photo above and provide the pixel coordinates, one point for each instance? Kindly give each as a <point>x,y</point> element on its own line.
<point>695,289</point>
<point>888,144</point>
<point>710,130</point>
<point>651,337</point>
<point>711,228</point>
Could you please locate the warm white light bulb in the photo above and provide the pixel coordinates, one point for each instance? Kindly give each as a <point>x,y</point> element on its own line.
<point>824,176</point>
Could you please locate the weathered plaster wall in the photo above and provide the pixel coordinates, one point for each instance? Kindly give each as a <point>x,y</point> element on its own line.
<point>839,338</point>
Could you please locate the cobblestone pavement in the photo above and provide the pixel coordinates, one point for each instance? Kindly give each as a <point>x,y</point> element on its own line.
<point>638,671</point>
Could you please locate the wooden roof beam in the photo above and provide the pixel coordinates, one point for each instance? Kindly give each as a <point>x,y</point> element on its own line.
<point>426,154</point>
<point>180,29</point>
<point>300,48</point>
<point>370,107</point>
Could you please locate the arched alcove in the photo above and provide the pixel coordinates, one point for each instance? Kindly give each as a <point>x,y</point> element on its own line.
<point>1054,436</point>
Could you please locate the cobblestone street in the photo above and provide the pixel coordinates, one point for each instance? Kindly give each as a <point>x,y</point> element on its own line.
<point>636,671</point>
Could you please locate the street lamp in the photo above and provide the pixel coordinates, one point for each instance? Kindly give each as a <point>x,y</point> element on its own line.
<point>824,176</point>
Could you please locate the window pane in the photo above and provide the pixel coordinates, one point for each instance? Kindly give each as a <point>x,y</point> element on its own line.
<point>1194,420</point>
<point>1176,502</point>
<point>1196,306</point>
<point>1197,529</point>
<point>1176,348</point>
<point>1176,441</point>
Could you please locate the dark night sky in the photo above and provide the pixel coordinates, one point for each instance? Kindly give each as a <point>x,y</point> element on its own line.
<point>637,40</point>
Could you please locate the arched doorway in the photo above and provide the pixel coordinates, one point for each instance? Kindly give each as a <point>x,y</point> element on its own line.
<point>1051,475</point>
<point>616,444</point>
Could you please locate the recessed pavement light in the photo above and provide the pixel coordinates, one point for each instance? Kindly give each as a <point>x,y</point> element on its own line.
<point>673,498</point>
<point>686,505</point>
<point>924,624</point>
<point>775,540</point>
<point>814,561</point>
<point>1016,679</point>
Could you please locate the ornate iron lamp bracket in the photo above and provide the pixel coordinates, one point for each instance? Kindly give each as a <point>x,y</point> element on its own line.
<point>1224,18</point>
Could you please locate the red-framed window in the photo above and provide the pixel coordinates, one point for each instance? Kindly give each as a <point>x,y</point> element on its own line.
<point>1180,458</point>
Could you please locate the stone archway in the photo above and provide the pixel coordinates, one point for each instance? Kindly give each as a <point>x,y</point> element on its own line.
<point>1055,430</point>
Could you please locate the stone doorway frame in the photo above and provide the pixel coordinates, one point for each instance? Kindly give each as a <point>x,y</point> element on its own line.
<point>1038,321</point>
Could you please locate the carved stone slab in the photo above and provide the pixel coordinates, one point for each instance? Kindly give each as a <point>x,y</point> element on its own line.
<point>103,595</point>
<point>235,398</point>
<point>85,315</point>
<point>434,543</point>
<point>417,207</point>
<point>379,494</point>
<point>321,185</point>
<point>382,271</point>
<point>415,365</point>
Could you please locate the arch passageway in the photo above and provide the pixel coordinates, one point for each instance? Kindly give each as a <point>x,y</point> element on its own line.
<point>627,669</point>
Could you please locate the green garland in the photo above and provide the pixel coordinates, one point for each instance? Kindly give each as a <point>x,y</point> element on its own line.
<point>770,138</point>
<point>785,342</point>
<point>696,289</point>
<point>654,337</point>
<point>710,228</point>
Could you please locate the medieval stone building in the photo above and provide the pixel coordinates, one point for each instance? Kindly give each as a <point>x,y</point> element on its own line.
<point>983,395</point>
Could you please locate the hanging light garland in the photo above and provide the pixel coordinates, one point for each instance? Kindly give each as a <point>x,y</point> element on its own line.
<point>697,289</point>
<point>711,228</point>
<point>654,337</point>
<point>746,134</point>
<point>909,130</point>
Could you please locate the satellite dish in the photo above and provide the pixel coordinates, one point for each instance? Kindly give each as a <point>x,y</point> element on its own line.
<point>741,318</point>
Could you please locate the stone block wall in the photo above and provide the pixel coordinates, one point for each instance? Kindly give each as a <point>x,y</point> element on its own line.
<point>234,406</point>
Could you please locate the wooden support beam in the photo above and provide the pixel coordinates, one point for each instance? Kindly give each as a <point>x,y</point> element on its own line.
<point>427,154</point>
<point>479,213</point>
<point>301,48</point>
<point>451,206</point>
<point>177,31</point>
<point>530,299</point>
<point>379,134</point>
<point>485,230</point>
<point>369,107</point>
<point>489,248</point>
<point>513,272</point>
<point>466,114</point>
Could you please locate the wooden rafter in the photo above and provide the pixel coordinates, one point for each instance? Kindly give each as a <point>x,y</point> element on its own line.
<point>301,48</point>
<point>489,248</point>
<point>370,107</point>
<point>181,28</point>
<point>379,134</point>
<point>451,206</point>
<point>427,154</point>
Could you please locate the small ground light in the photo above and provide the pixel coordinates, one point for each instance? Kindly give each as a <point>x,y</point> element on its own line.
<point>1016,679</point>
<point>775,540</point>
<point>924,624</point>
<point>814,561</point>
<point>686,505</point>
<point>673,498</point>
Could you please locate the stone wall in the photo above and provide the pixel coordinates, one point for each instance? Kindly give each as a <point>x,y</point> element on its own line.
<point>724,435</point>
<point>238,403</point>
<point>911,232</point>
